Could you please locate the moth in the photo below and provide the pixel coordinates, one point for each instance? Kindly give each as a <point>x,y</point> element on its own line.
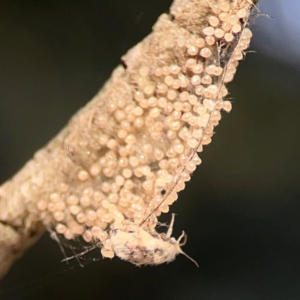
<point>141,247</point>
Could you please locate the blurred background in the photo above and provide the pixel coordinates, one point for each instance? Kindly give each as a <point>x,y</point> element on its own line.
<point>241,210</point>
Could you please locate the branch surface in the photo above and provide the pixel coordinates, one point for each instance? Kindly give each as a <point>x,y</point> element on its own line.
<point>128,152</point>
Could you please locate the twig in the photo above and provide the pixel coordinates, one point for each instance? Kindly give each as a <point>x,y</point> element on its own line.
<point>126,155</point>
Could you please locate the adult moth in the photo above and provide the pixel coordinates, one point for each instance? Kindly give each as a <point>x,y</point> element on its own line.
<point>140,247</point>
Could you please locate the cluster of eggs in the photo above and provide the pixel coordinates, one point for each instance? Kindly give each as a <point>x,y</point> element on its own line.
<point>142,148</point>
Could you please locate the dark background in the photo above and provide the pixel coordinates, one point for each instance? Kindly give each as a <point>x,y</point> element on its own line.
<point>241,209</point>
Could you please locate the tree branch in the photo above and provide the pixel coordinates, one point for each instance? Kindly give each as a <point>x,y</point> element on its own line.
<point>127,154</point>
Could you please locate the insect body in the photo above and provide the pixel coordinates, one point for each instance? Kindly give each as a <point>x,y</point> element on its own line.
<point>140,247</point>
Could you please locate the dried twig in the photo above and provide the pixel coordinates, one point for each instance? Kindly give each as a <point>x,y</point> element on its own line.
<point>122,159</point>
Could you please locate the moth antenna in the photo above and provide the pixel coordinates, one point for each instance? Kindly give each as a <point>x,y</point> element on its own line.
<point>188,257</point>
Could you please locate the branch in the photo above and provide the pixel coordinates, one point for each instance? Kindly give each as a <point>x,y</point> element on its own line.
<point>123,158</point>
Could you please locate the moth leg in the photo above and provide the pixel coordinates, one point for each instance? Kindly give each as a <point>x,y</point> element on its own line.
<point>54,236</point>
<point>79,255</point>
<point>184,236</point>
<point>170,230</point>
<point>159,224</point>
